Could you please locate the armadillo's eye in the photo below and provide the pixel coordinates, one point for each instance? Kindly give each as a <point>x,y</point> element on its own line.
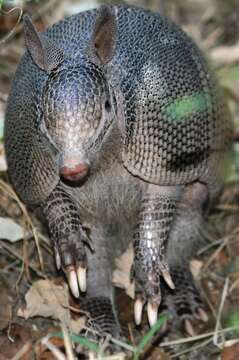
<point>107,106</point>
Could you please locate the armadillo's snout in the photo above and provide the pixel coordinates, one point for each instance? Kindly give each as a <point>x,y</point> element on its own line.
<point>74,171</point>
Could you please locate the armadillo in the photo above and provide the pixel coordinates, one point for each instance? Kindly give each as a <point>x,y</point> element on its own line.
<point>117,130</point>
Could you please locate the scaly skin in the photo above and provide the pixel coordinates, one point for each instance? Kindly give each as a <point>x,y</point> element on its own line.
<point>156,216</point>
<point>131,69</point>
<point>67,235</point>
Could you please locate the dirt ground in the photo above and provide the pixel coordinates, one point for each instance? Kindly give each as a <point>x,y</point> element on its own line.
<point>36,309</point>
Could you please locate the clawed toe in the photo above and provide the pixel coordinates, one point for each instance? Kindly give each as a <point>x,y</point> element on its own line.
<point>81,275</point>
<point>168,279</point>
<point>72,281</point>
<point>138,310</point>
<point>57,258</point>
<point>76,279</point>
<point>182,304</point>
<point>152,311</point>
<point>148,291</point>
<point>201,315</point>
<point>189,327</point>
<point>70,255</point>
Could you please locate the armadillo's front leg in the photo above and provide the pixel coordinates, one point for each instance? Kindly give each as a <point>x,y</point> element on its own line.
<point>68,237</point>
<point>150,247</point>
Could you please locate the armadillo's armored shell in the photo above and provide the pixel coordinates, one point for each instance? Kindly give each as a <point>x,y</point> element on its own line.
<point>174,116</point>
<point>32,163</point>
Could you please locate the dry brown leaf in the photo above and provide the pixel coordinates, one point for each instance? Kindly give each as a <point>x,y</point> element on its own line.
<point>121,275</point>
<point>22,339</point>
<point>156,353</point>
<point>231,352</point>
<point>7,296</point>
<point>47,299</point>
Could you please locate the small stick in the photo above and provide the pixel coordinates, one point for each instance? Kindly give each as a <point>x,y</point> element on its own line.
<point>26,347</point>
<point>218,322</point>
<point>16,255</point>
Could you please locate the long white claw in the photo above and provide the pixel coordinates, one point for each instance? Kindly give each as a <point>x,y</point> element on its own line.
<point>189,328</point>
<point>152,311</point>
<point>202,315</point>
<point>168,279</point>
<point>138,309</point>
<point>58,260</point>
<point>73,283</point>
<point>81,274</point>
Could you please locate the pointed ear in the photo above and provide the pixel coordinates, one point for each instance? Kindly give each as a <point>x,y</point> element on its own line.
<point>103,41</point>
<point>42,50</point>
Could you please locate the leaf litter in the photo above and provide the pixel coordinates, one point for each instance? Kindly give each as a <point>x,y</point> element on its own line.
<point>47,300</point>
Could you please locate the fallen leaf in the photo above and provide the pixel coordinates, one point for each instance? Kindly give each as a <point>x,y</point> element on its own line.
<point>10,230</point>
<point>5,310</point>
<point>47,299</point>
<point>121,275</point>
<point>21,342</point>
<point>156,354</point>
<point>231,352</point>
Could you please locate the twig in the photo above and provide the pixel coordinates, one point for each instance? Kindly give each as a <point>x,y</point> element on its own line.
<point>26,347</point>
<point>11,32</point>
<point>68,344</point>
<point>227,207</point>
<point>55,351</point>
<point>225,54</point>
<point>113,340</point>
<point>47,6</point>
<point>234,285</point>
<point>209,246</point>
<point>10,266</point>
<point>8,190</point>
<point>16,255</point>
<point>209,303</point>
<point>218,322</point>
<point>19,277</point>
<point>214,255</point>
<point>212,38</point>
<point>131,335</point>
<point>25,256</point>
<point>195,347</point>
<point>197,337</point>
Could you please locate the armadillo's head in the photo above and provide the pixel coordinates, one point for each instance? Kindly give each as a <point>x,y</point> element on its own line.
<point>78,111</point>
<point>78,103</point>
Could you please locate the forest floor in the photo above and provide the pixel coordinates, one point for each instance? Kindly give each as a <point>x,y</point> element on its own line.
<point>36,308</point>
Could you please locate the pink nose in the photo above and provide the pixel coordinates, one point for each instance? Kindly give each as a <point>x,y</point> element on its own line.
<point>75,172</point>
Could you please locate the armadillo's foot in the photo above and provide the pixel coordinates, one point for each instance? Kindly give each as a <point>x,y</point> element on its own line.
<point>150,248</point>
<point>183,305</point>
<point>147,277</point>
<point>70,255</point>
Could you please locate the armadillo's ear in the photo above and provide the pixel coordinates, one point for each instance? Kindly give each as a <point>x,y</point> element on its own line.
<point>43,51</point>
<point>104,36</point>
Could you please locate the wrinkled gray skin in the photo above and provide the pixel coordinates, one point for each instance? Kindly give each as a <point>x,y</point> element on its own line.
<point>127,93</point>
